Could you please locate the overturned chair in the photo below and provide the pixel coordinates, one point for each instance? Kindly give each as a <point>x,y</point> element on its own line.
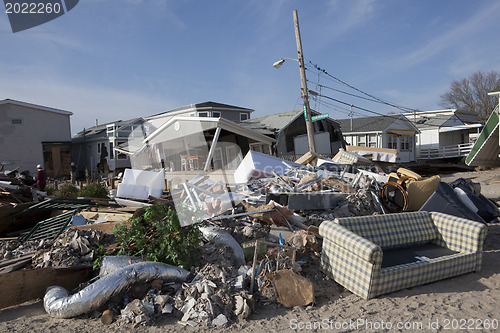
<point>378,254</point>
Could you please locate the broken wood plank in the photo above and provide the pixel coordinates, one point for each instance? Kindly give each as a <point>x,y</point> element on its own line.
<point>29,284</point>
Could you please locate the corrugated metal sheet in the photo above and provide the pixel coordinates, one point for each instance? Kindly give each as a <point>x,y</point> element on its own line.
<point>49,228</point>
<point>59,204</point>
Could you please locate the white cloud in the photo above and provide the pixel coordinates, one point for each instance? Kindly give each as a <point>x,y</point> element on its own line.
<point>350,16</point>
<point>453,40</point>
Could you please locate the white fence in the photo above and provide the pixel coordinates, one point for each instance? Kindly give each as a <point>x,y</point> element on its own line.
<point>445,151</point>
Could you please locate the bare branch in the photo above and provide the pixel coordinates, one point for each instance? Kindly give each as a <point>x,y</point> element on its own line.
<point>471,94</point>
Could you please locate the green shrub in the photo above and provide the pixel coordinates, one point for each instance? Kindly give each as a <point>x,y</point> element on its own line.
<point>158,236</point>
<point>51,190</point>
<point>94,190</point>
<point>66,191</point>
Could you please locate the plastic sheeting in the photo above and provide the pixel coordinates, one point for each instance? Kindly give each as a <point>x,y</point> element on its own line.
<point>58,304</point>
<point>221,237</point>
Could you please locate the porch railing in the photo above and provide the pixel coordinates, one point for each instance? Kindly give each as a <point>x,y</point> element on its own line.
<point>445,151</point>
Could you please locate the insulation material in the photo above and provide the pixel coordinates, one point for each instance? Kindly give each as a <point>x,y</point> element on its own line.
<point>59,304</point>
<point>221,237</point>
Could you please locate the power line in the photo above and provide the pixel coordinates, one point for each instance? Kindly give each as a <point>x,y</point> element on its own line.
<point>368,110</point>
<point>402,108</point>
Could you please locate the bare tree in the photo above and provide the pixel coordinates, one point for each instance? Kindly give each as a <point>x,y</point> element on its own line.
<point>471,94</point>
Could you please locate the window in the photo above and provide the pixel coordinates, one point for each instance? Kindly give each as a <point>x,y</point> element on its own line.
<point>392,141</point>
<point>406,142</point>
<point>243,116</point>
<point>121,156</point>
<point>372,140</point>
<point>98,147</point>
<point>202,114</point>
<point>261,148</point>
<point>17,121</point>
<point>111,151</point>
<point>362,140</point>
<point>216,114</point>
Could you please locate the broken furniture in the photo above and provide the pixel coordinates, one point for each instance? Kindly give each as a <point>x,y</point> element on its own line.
<point>378,254</point>
<point>139,184</point>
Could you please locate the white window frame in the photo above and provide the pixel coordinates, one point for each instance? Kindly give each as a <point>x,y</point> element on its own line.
<point>202,114</point>
<point>406,142</point>
<point>372,143</point>
<point>362,140</point>
<point>244,115</point>
<point>216,114</point>
<point>392,141</point>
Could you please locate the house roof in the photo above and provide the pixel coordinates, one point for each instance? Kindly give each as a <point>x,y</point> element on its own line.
<point>367,124</point>
<point>35,106</point>
<point>278,121</point>
<point>101,128</point>
<point>467,117</point>
<point>203,124</point>
<point>203,106</point>
<point>424,122</point>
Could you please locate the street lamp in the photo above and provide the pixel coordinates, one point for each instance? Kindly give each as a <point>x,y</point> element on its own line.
<point>280,62</point>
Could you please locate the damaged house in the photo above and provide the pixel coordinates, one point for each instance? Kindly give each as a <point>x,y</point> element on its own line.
<point>32,134</point>
<point>184,146</point>
<point>289,130</point>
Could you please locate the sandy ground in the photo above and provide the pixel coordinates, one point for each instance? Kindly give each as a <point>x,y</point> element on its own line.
<point>469,302</point>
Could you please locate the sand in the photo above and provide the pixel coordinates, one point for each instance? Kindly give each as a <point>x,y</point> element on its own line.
<point>470,302</point>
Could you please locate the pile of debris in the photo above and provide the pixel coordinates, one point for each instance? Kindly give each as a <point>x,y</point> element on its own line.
<point>73,248</point>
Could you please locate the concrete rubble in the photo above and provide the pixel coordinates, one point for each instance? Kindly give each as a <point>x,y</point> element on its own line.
<point>260,246</point>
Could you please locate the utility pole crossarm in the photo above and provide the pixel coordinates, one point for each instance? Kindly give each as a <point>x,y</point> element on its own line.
<point>304,93</point>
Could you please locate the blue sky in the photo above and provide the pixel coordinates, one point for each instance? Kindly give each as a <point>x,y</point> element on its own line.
<point>120,59</point>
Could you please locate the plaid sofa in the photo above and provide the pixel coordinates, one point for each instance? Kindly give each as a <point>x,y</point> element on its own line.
<point>354,247</point>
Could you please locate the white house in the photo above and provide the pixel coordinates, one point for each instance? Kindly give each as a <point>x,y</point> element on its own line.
<point>445,133</point>
<point>32,134</point>
<point>391,131</point>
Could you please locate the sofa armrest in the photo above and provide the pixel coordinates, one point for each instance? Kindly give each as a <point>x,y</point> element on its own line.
<point>459,234</point>
<point>350,241</point>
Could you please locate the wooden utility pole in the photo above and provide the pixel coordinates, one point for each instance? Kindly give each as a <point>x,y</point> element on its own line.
<point>305,95</point>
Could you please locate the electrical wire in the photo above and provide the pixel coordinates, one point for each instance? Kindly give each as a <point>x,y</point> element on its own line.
<point>396,117</point>
<point>402,108</point>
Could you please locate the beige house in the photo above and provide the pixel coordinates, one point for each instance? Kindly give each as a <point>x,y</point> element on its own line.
<point>32,134</point>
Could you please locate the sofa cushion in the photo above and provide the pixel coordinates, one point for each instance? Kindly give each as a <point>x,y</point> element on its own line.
<point>415,253</point>
<point>393,230</point>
